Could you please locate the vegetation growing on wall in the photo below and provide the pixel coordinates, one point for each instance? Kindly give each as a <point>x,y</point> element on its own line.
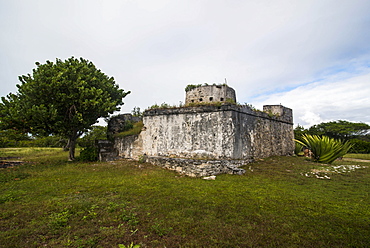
<point>228,101</point>
<point>136,112</point>
<point>270,114</point>
<point>164,105</point>
<point>135,128</point>
<point>189,87</point>
<point>193,104</point>
<point>196,104</point>
<point>250,106</point>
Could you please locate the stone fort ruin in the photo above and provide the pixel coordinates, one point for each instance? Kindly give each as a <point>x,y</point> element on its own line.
<point>210,135</point>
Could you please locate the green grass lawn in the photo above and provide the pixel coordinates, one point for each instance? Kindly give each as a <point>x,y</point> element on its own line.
<point>278,202</point>
<point>358,156</point>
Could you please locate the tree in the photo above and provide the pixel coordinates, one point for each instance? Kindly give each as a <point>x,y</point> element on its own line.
<point>299,131</point>
<point>96,133</point>
<point>63,98</point>
<point>340,129</point>
<point>137,112</point>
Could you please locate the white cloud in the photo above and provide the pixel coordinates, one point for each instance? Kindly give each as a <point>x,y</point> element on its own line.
<point>311,118</point>
<point>273,50</point>
<point>330,99</point>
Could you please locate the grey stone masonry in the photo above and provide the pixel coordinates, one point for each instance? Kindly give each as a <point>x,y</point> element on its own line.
<point>107,151</point>
<point>210,94</point>
<point>206,139</point>
<point>199,168</point>
<point>216,132</point>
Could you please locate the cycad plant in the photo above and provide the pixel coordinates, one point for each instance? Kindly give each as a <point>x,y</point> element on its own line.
<point>298,148</point>
<point>325,150</point>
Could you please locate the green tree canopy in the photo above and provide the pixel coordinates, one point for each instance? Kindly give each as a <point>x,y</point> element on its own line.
<point>299,131</point>
<point>340,129</point>
<point>96,133</point>
<point>11,137</point>
<point>63,98</point>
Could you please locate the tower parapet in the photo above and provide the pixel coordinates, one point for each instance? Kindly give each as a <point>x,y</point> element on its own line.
<point>210,94</point>
<point>285,113</point>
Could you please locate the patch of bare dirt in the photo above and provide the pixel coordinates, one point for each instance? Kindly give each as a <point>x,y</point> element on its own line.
<point>6,162</point>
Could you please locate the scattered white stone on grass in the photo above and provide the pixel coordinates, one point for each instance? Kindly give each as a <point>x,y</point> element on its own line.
<point>210,178</point>
<point>323,172</point>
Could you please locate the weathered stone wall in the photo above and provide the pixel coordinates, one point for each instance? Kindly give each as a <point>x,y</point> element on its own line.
<point>210,93</point>
<point>198,132</point>
<point>211,132</point>
<point>260,134</point>
<point>205,140</point>
<point>129,146</point>
<point>198,167</point>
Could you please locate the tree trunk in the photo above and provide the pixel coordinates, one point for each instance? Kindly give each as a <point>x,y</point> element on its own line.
<point>72,146</point>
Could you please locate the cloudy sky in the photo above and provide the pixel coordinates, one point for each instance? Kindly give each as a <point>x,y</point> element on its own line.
<point>310,55</point>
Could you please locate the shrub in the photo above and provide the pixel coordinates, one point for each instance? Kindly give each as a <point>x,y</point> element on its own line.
<point>89,153</point>
<point>48,141</point>
<point>154,106</point>
<point>164,105</point>
<point>360,146</point>
<point>230,101</point>
<point>137,112</point>
<point>128,125</point>
<point>96,133</point>
<point>6,142</point>
<point>197,104</point>
<point>12,138</point>
<point>192,86</point>
<point>324,149</point>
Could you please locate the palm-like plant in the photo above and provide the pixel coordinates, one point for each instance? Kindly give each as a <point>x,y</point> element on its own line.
<point>324,149</point>
<point>298,148</point>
